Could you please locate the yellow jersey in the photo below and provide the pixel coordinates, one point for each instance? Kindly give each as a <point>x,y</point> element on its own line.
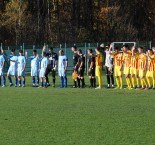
<point>134,61</point>
<point>142,61</point>
<point>117,58</point>
<point>99,59</point>
<point>151,62</point>
<point>127,59</point>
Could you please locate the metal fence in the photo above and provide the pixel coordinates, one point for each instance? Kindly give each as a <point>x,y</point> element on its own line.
<point>66,47</point>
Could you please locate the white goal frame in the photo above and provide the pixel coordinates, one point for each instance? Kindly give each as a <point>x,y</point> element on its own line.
<point>113,44</point>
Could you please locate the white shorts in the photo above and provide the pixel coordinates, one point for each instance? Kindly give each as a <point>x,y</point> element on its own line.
<point>20,72</point>
<point>34,72</point>
<point>1,72</point>
<point>12,71</point>
<point>61,72</point>
<point>42,73</point>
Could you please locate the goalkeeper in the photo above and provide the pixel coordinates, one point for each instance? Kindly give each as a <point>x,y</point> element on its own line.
<point>109,67</point>
<point>51,67</point>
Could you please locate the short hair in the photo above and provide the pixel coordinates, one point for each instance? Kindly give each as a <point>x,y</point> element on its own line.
<point>126,45</point>
<point>150,50</point>
<point>90,50</point>
<point>51,48</point>
<point>12,50</point>
<point>44,53</point>
<point>74,47</point>
<point>98,48</point>
<point>141,47</point>
<point>35,50</point>
<point>20,51</point>
<point>79,50</point>
<point>61,51</point>
<point>116,48</point>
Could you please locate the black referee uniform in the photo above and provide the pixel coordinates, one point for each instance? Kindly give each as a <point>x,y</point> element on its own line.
<point>75,67</point>
<point>81,69</point>
<point>91,71</point>
<point>51,67</point>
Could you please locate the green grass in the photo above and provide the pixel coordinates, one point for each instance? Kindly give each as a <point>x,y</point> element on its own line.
<point>54,116</point>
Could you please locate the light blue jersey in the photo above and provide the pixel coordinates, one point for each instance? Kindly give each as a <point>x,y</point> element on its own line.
<point>34,65</point>
<point>2,60</point>
<point>44,63</point>
<point>34,61</point>
<point>13,66</point>
<point>62,63</point>
<point>21,62</point>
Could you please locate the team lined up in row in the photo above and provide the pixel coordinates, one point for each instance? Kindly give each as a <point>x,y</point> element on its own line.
<point>135,65</point>
<point>40,67</point>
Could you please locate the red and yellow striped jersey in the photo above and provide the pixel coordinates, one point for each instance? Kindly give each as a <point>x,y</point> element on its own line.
<point>127,59</point>
<point>142,61</point>
<point>151,62</point>
<point>117,58</point>
<point>134,61</point>
<point>99,59</point>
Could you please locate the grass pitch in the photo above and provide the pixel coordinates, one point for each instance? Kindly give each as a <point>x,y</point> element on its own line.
<point>54,116</point>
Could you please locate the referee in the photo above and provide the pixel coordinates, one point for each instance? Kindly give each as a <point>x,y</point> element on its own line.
<point>75,60</point>
<point>81,68</point>
<point>91,65</point>
<point>52,64</point>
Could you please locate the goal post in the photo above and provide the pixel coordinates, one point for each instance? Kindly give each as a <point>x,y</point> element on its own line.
<point>114,43</point>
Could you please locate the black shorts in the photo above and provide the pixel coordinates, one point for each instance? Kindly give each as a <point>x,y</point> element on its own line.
<point>81,72</point>
<point>50,69</point>
<point>91,72</point>
<point>107,72</point>
<point>75,69</point>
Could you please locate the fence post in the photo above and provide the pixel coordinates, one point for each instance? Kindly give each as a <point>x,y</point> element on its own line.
<point>23,49</point>
<point>89,45</point>
<point>33,47</point>
<point>65,48</point>
<point>150,44</point>
<point>86,56</point>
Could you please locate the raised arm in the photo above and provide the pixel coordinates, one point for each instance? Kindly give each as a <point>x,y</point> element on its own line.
<point>24,64</point>
<point>26,54</point>
<point>133,49</point>
<point>43,50</point>
<point>3,63</point>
